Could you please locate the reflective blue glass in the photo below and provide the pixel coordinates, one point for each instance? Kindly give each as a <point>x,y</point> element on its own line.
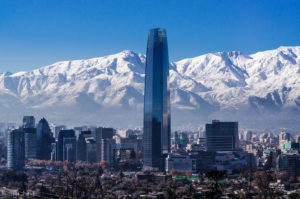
<point>156,101</point>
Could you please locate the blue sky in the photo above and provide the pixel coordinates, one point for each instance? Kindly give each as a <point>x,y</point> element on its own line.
<point>35,33</point>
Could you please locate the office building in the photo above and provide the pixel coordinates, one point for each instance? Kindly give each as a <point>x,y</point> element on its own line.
<point>126,158</point>
<point>15,149</point>
<point>91,150</point>
<point>131,144</point>
<point>157,127</point>
<point>289,163</point>
<point>222,136</point>
<point>57,129</point>
<point>54,151</point>
<point>203,161</point>
<point>82,145</point>
<point>107,151</point>
<point>102,133</point>
<point>44,140</point>
<point>69,149</point>
<point>291,147</point>
<point>28,122</point>
<point>183,140</point>
<point>30,143</point>
<point>248,136</point>
<point>60,143</point>
<point>181,162</point>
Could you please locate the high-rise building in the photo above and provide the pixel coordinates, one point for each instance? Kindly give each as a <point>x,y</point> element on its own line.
<point>82,145</point>
<point>28,122</point>
<point>57,129</point>
<point>60,143</point>
<point>157,120</point>
<point>248,135</point>
<point>91,150</point>
<point>44,140</point>
<point>15,149</point>
<point>297,139</point>
<point>69,149</point>
<point>222,136</point>
<point>105,132</point>
<point>289,163</point>
<point>54,151</point>
<point>102,133</point>
<point>107,151</point>
<point>203,161</point>
<point>30,142</point>
<point>29,132</point>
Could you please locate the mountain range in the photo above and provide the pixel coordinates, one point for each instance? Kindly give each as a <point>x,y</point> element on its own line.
<point>261,90</point>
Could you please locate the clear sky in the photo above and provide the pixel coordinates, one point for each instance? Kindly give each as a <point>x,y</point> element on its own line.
<point>35,33</point>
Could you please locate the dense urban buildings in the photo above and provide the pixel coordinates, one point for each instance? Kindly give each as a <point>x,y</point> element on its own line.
<point>222,136</point>
<point>217,161</point>
<point>157,127</point>
<point>269,156</point>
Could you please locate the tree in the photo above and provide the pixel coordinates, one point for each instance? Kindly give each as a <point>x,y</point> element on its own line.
<point>294,195</point>
<point>215,191</point>
<point>170,194</point>
<point>265,177</point>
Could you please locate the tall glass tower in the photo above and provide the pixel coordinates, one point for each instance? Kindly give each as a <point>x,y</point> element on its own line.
<point>15,149</point>
<point>157,119</point>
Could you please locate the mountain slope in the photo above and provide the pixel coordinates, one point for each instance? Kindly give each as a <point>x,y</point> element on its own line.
<point>262,89</point>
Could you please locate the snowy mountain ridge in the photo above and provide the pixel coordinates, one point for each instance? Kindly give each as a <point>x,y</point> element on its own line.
<point>258,89</point>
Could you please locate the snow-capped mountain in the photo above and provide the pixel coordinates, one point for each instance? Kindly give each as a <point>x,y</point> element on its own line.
<point>262,89</point>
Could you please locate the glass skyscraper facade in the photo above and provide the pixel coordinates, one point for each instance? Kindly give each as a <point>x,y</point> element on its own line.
<point>222,136</point>
<point>61,154</point>
<point>15,150</point>
<point>28,122</point>
<point>157,120</point>
<point>30,143</point>
<point>44,140</point>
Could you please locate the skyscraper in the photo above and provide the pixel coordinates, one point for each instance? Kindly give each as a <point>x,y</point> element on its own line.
<point>222,136</point>
<point>61,149</point>
<point>82,145</point>
<point>29,131</point>
<point>157,120</point>
<point>28,122</point>
<point>15,149</point>
<point>102,133</point>
<point>69,149</point>
<point>107,151</point>
<point>30,142</point>
<point>44,140</point>
<point>91,150</point>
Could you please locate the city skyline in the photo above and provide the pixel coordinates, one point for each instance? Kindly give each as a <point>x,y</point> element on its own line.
<point>224,124</point>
